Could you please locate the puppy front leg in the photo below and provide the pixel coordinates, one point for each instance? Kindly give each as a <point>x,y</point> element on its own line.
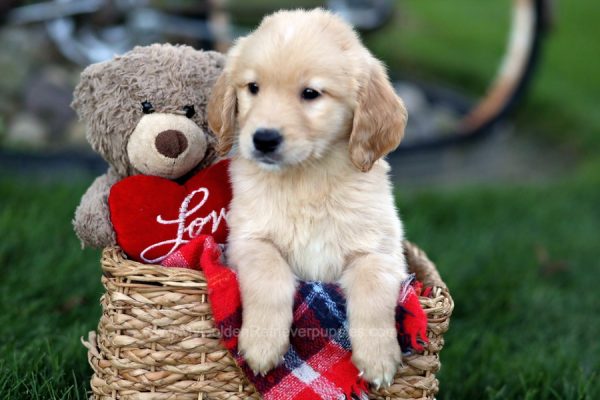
<point>267,286</point>
<point>371,283</point>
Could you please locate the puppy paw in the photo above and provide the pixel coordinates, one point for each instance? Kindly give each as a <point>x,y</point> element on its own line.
<point>263,348</point>
<point>377,359</point>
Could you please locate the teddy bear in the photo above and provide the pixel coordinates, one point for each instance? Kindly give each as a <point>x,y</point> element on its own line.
<point>145,113</point>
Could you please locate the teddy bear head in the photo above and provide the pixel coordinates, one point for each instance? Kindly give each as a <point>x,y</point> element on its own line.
<point>145,111</point>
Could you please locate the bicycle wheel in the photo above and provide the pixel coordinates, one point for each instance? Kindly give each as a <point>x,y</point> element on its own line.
<point>437,43</point>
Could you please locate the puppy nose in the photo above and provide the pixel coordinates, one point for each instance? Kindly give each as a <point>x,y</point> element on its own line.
<point>171,143</point>
<point>267,140</point>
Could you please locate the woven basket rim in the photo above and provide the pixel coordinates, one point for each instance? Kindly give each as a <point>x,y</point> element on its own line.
<point>417,260</point>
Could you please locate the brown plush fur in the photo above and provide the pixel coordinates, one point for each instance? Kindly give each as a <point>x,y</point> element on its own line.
<point>108,98</point>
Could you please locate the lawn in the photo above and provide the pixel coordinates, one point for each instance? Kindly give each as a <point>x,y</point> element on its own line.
<point>521,261</point>
<point>521,264</point>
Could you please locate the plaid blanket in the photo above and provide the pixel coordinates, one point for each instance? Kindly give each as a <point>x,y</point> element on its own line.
<point>318,363</point>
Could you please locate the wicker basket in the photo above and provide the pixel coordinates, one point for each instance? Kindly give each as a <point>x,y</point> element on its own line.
<point>156,338</point>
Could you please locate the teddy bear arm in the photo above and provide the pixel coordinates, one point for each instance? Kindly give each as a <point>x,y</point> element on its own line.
<point>92,217</point>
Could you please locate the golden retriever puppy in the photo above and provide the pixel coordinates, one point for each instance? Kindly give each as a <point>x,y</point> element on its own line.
<point>311,113</point>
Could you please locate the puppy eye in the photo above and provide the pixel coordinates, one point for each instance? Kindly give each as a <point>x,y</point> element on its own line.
<point>147,107</point>
<point>310,94</point>
<point>253,87</point>
<point>189,111</point>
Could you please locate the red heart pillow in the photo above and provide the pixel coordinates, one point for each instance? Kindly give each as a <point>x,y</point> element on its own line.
<point>153,216</point>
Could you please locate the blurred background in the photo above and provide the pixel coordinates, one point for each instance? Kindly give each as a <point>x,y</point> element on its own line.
<point>498,179</point>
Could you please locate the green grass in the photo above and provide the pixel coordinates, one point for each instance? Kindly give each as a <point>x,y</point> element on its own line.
<point>521,262</point>
<point>522,266</point>
<point>49,292</point>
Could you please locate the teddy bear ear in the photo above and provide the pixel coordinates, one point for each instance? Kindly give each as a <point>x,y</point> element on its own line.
<point>217,60</point>
<point>85,91</point>
<point>211,63</point>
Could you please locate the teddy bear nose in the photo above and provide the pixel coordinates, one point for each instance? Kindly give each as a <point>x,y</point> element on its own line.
<point>171,143</point>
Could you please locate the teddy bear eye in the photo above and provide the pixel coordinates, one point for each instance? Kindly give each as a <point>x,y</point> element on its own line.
<point>189,111</point>
<point>147,107</point>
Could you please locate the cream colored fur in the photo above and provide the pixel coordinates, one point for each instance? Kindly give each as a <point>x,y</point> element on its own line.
<point>324,210</point>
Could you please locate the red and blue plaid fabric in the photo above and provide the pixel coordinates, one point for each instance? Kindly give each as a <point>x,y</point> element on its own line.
<point>318,363</point>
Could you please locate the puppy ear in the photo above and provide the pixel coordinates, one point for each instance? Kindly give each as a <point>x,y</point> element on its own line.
<point>379,118</point>
<point>222,107</point>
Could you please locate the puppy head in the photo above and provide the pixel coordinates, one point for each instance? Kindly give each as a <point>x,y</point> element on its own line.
<point>299,85</point>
